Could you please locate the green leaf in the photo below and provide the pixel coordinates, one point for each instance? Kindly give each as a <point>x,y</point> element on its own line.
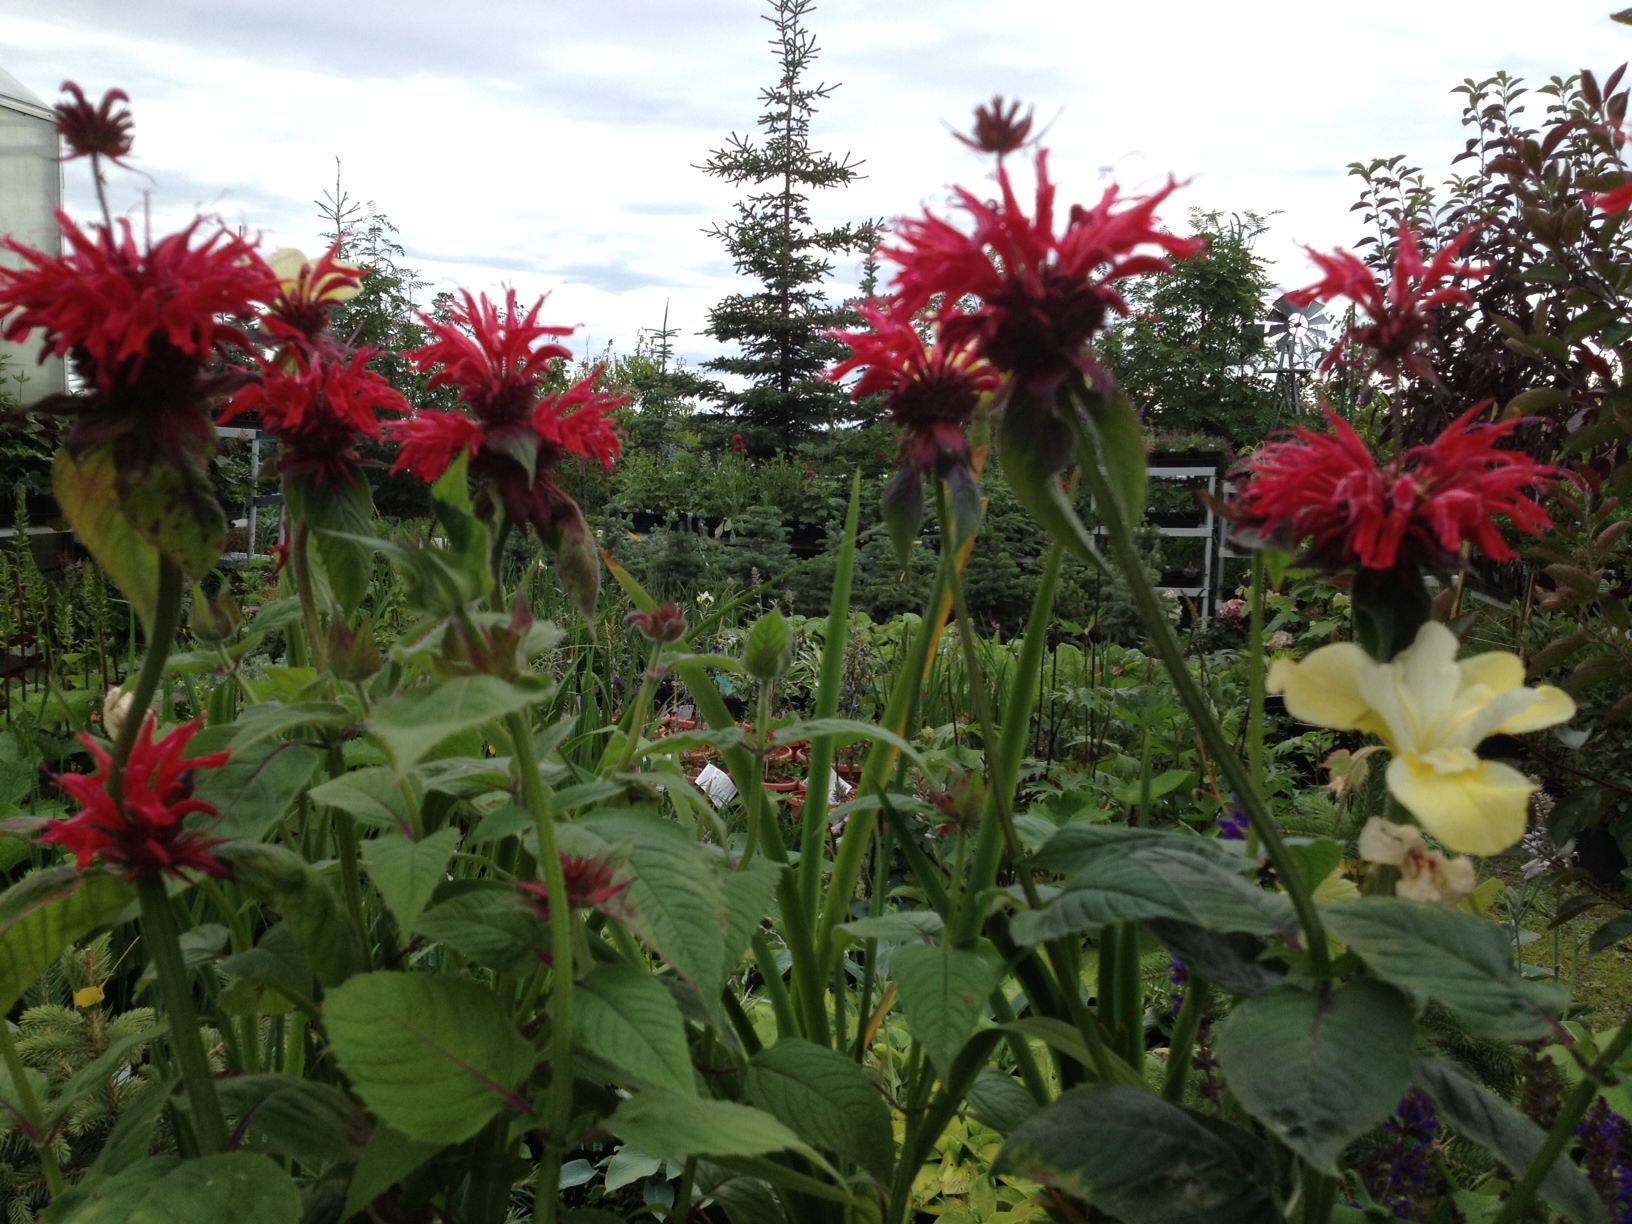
<point>389,1158</point>
<point>1142,1160</point>
<point>285,1116</point>
<point>902,508</point>
<point>1121,440</point>
<point>132,1136</point>
<point>1508,1135</point>
<point>943,992</point>
<point>827,1100</point>
<point>1319,1068</point>
<point>675,901</point>
<point>409,725</point>
<point>434,1057</point>
<point>1000,1101</point>
<point>766,653</point>
<point>44,913</point>
<point>271,978</point>
<point>407,872</point>
<point>625,1017</point>
<point>748,901</point>
<point>1035,448</point>
<point>490,924</point>
<point>174,509</point>
<point>1078,844</point>
<point>1316,858</point>
<point>371,796</point>
<point>337,513</point>
<point>1232,960</point>
<point>271,719</point>
<point>1464,962</point>
<point>907,926</point>
<point>1142,882</point>
<point>674,1127</point>
<point>305,901</point>
<point>86,489</point>
<point>256,787</point>
<point>239,1186</point>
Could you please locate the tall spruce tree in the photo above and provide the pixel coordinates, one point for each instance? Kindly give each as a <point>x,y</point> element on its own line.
<point>780,328</point>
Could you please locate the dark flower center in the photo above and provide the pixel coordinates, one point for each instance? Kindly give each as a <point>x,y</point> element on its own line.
<point>1031,334</point>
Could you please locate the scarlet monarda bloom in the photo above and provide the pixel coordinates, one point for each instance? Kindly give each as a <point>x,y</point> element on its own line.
<point>591,881</point>
<point>143,835</point>
<point>1042,295</point>
<point>664,623</point>
<point>94,131</point>
<point>1399,313</point>
<point>320,401</point>
<point>139,326</point>
<point>931,390</point>
<point>1418,509</point>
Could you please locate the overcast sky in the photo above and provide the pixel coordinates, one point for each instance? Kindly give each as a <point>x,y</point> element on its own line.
<point>551,144</point>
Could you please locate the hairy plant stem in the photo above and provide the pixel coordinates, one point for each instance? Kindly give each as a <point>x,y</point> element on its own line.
<point>1126,551</point>
<point>558,1115</point>
<point>1062,953</point>
<point>166,620</point>
<point>300,567</point>
<point>31,1110</point>
<point>164,949</point>
<point>1255,684</point>
<point>1570,1114</point>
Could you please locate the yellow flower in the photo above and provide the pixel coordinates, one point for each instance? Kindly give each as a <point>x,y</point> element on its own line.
<point>1432,712</point>
<point>89,997</point>
<point>326,280</point>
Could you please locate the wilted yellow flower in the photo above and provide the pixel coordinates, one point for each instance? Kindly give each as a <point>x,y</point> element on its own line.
<point>1432,712</point>
<point>1425,875</point>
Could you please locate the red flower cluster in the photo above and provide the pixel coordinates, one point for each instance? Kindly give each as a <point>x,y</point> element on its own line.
<point>516,436</point>
<point>591,881</point>
<point>1418,510</point>
<point>138,325</point>
<point>1400,311</point>
<point>94,131</point>
<point>930,390</point>
<point>143,835</point>
<point>1042,295</point>
<point>316,394</point>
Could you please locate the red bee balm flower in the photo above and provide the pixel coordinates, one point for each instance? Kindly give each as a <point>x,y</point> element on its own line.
<point>591,881</point>
<point>1043,296</point>
<point>1399,312</point>
<point>1418,510</point>
<point>144,835</point>
<point>931,391</point>
<point>94,131</point>
<point>517,437</point>
<point>320,404</point>
<point>138,325</point>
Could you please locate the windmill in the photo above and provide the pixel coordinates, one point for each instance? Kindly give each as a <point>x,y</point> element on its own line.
<point>1298,336</point>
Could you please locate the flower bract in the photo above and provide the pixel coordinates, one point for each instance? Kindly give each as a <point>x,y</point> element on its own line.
<point>1432,712</point>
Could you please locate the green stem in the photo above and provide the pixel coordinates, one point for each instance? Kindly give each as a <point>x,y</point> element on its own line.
<point>1183,1040</point>
<point>558,1117</point>
<point>31,1110</point>
<point>1319,1194</point>
<point>1126,551</point>
<point>637,719</point>
<point>1563,1130</point>
<point>1255,684</point>
<point>166,620</point>
<point>345,842</point>
<point>756,791</point>
<point>300,568</point>
<point>164,949</point>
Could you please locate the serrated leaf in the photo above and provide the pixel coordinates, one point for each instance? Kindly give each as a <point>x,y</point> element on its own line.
<point>492,926</point>
<point>827,1100</point>
<point>407,872</point>
<point>389,1158</point>
<point>337,513</point>
<point>748,902</point>
<point>305,901</point>
<point>434,1057</point>
<point>1508,1135</point>
<point>271,977</point>
<point>44,913</point>
<point>86,489</point>
<point>255,788</point>
<point>1456,959</point>
<point>1319,1068</point>
<point>1149,881</point>
<point>672,1126</point>
<point>943,992</point>
<point>1142,1160</point>
<point>239,1186</point>
<point>625,1017</point>
<point>285,1116</point>
<point>409,725</point>
<point>371,796</point>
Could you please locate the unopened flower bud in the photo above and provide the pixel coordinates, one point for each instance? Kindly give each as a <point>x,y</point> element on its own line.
<point>767,653</point>
<point>664,623</point>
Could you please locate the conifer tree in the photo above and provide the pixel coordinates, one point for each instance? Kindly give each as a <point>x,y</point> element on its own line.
<point>780,328</point>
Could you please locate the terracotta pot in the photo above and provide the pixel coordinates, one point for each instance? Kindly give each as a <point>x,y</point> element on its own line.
<point>782,788</point>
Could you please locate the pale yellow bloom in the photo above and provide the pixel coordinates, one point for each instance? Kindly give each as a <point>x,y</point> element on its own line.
<point>1425,875</point>
<point>1432,712</point>
<point>302,281</point>
<point>115,709</point>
